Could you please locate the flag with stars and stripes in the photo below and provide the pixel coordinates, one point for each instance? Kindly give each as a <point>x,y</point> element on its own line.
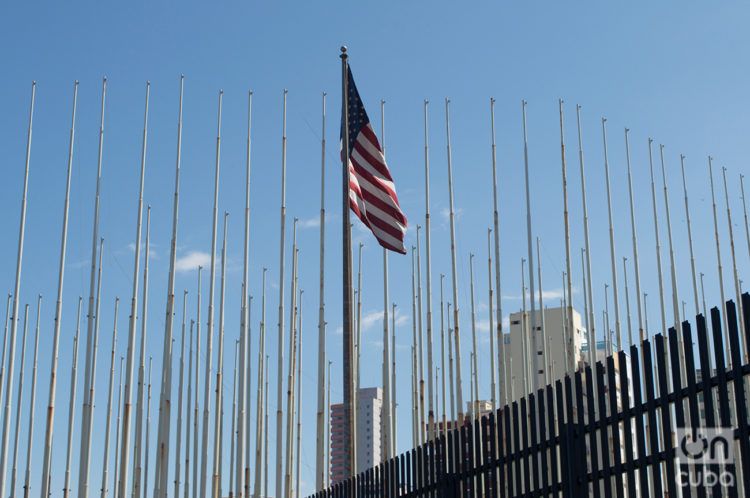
<point>372,193</point>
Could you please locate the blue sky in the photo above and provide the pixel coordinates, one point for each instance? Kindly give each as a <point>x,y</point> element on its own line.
<point>675,71</point>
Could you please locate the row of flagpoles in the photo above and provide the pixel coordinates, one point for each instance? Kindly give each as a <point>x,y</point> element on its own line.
<point>184,460</point>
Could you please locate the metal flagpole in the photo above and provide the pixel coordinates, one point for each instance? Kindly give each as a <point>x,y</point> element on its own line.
<point>138,464</point>
<point>607,329</point>
<point>675,298</point>
<point>108,429</point>
<point>428,268</point>
<point>420,343</point>
<point>233,435</point>
<point>117,425</point>
<point>690,236</point>
<point>388,400</point>
<point>718,260</point>
<point>546,359</point>
<point>442,351</point>
<point>493,371</point>
<point>613,259</point>
<point>189,413</point>
<point>454,272</point>
<point>219,399</point>
<point>591,341</point>
<point>71,404</point>
<point>534,343</point>
<point>280,350</point>
<point>210,320</point>
<point>569,353</point>
<point>261,395</point>
<point>591,326</point>
<point>636,265</point>
<point>299,394</point>
<point>132,326</point>
<point>248,392</point>
<point>84,463</point>
<point>148,423</point>
<point>627,300</point>
<point>645,312</point>
<point>242,474</point>
<point>5,345</point>
<point>196,424</point>
<point>416,433</point>
<point>350,401</point>
<point>47,458</point>
<point>178,438</point>
<point>359,313</point>
<point>524,331</point>
<point>564,305</point>
<point>451,376</point>
<point>320,443</point>
<point>265,423</point>
<point>744,211</point>
<point>162,454</point>
<point>394,403</point>
<point>498,285</point>
<point>328,426</point>
<point>291,367</point>
<point>475,368</point>
<point>414,410</point>
<point>734,258</point>
<point>17,429</point>
<point>658,242</point>
<point>703,295</point>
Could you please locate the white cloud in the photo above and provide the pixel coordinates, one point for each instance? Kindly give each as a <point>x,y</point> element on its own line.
<point>191,261</point>
<point>313,222</point>
<point>555,294</point>
<point>152,254</point>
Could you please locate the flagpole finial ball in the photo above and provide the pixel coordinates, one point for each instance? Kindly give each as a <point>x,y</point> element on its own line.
<point>343,49</point>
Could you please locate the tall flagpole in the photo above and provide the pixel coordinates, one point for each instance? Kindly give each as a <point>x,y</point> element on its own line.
<point>299,395</point>
<point>420,343</point>
<point>148,422</point>
<point>5,345</point>
<point>242,475</point>
<point>388,399</point>
<point>416,433</point>
<point>474,350</point>
<point>569,346</point>
<point>744,211</point>
<point>71,405</point>
<point>47,458</point>
<point>291,366</point>
<point>233,435</point>
<point>108,429</point>
<point>350,416</point>
<point>498,285</point>
<point>85,459</point>
<point>394,403</point>
<point>636,265</point>
<point>132,327</point>
<point>546,360</point>
<point>454,272</point>
<point>320,442</point>
<point>428,268</point>
<point>451,376</point>
<point>180,383</point>
<point>690,236</point>
<point>328,427</point>
<point>117,424</point>
<point>261,394</point>
<point>142,359</point>
<point>587,270</point>
<point>493,371</point>
<point>524,331</point>
<point>280,349</point>
<point>196,406</point>
<point>734,258</point>
<point>210,321</point>
<point>17,428</point>
<point>219,399</point>
<point>162,449</point>
<point>534,343</point>
<point>613,259</point>
<point>627,300</point>
<point>703,295</point>
<point>442,352</point>
<point>188,407</point>
<point>589,339</point>
<point>358,325</point>
<point>675,298</point>
<point>658,241</point>
<point>718,257</point>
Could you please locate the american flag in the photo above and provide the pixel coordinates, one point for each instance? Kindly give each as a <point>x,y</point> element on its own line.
<point>372,193</point>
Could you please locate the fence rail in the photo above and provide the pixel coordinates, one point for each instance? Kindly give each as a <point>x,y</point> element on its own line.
<point>634,426</point>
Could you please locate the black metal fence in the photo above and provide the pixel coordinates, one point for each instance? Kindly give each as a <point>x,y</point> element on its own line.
<point>617,430</point>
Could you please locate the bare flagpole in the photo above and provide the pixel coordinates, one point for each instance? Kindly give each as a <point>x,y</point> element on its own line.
<point>328,426</point>
<point>658,242</point>
<point>568,267</point>
<point>133,321</point>
<point>189,413</point>
<point>117,425</point>
<point>71,404</point>
<point>636,265</point>
<point>627,300</point>
<point>744,211</point>
<point>524,330</point>
<point>359,314</point>
<point>320,443</point>
<point>210,322</point>
<point>718,258</point>
<point>690,236</point>
<point>493,371</point>
<point>280,350</point>
<point>5,345</point>
<point>498,284</point>
<point>591,323</point>
<point>108,429</point>
<point>675,298</point>
<point>299,394</point>
<point>162,450</point>
<point>416,433</point>
<point>546,360</point>
<point>420,338</point>
<point>734,258</point>
<point>393,386</point>
<point>242,474</point>
<point>428,269</point>
<point>261,395</point>
<point>615,295</point>
<point>290,373</point>
<point>442,350</point>
<point>148,422</point>
<point>454,272</point>
<point>17,428</point>
<point>47,458</point>
<point>219,399</point>
<point>196,423</point>
<point>85,458</point>
<point>233,437</point>
<point>178,439</point>
<point>451,376</point>
<point>474,350</point>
